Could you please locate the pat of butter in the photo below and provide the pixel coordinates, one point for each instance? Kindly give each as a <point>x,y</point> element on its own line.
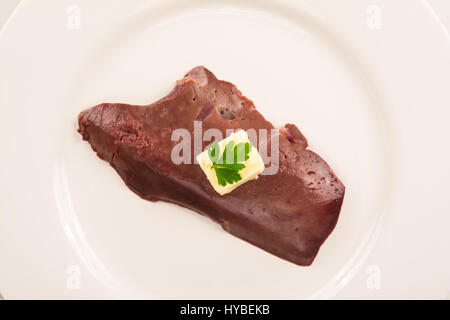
<point>254,165</point>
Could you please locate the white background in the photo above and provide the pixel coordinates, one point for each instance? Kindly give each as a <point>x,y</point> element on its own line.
<point>441,7</point>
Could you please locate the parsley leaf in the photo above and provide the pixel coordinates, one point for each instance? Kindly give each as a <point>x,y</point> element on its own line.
<point>228,165</point>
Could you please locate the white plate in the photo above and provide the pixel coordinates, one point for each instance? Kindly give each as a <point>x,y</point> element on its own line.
<point>366,82</point>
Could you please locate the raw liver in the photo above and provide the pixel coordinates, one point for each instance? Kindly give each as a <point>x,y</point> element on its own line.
<point>289,214</point>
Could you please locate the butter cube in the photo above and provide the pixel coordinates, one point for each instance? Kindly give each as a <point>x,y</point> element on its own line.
<point>254,165</point>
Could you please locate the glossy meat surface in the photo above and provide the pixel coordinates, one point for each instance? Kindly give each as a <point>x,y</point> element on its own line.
<point>289,214</point>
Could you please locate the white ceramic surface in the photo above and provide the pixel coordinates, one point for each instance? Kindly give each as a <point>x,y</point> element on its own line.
<point>370,93</point>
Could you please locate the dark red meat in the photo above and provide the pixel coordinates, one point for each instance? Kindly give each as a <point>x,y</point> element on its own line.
<point>289,214</point>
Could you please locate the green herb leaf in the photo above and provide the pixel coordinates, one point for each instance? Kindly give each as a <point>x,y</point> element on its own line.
<point>227,166</point>
<point>214,151</point>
